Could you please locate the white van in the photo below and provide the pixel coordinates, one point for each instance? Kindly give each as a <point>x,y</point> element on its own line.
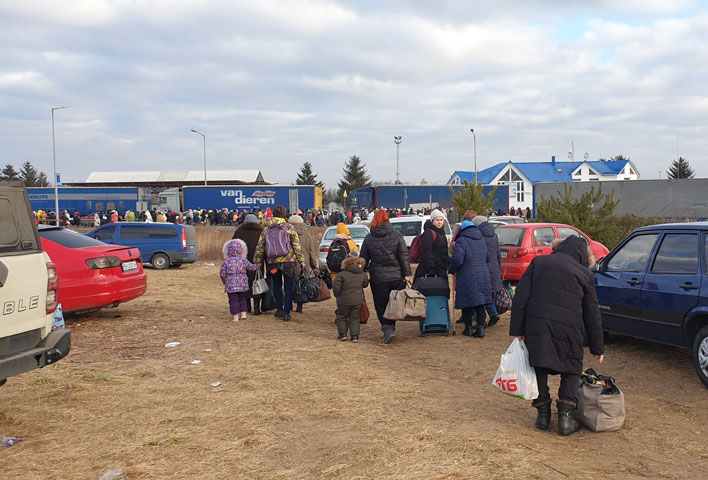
<point>412,225</point>
<point>28,291</point>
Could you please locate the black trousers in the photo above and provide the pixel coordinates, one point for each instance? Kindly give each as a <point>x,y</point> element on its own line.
<point>568,390</point>
<point>380,292</point>
<point>468,312</point>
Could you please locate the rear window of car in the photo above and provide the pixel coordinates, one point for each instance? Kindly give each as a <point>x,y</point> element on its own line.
<point>70,238</point>
<point>510,236</point>
<point>147,232</point>
<point>355,233</point>
<point>407,229</point>
<point>678,253</point>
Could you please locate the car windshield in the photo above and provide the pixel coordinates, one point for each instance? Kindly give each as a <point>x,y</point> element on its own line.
<point>510,236</point>
<point>70,238</point>
<point>407,229</point>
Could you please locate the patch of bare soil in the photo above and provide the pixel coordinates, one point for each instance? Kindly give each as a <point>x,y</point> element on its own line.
<point>296,403</point>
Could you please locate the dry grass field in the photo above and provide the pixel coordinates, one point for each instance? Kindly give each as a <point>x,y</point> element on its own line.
<point>294,403</point>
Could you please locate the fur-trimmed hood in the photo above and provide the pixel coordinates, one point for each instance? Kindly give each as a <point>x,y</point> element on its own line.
<point>573,246</point>
<point>235,248</point>
<point>353,264</point>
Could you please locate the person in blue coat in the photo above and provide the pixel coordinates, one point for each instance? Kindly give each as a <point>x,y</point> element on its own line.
<point>493,262</point>
<point>474,288</point>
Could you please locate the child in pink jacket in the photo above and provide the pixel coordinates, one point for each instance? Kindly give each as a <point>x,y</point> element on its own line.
<point>233,276</point>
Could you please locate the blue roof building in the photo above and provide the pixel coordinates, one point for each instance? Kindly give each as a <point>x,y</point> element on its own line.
<point>521,176</point>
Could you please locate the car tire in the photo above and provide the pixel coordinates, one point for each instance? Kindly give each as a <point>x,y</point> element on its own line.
<point>700,354</point>
<point>160,261</point>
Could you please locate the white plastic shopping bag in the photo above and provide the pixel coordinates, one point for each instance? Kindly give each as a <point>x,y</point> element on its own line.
<point>515,376</point>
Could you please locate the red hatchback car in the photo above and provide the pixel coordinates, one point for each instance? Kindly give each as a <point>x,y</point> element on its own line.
<point>521,243</point>
<point>92,274</point>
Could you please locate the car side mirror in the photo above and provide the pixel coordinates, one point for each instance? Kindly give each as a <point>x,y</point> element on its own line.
<point>595,268</point>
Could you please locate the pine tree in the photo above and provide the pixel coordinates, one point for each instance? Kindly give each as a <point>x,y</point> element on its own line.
<point>589,213</point>
<point>471,197</point>
<point>9,173</point>
<point>29,175</point>
<point>354,177</point>
<point>306,177</point>
<point>43,182</point>
<point>680,169</point>
<point>619,157</point>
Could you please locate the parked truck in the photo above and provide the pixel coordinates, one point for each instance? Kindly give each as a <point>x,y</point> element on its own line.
<point>28,291</point>
<point>88,200</point>
<point>417,196</point>
<point>250,197</point>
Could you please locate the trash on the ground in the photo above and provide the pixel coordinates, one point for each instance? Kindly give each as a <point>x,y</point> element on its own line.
<point>172,344</point>
<point>196,362</point>
<point>58,316</point>
<point>112,474</point>
<point>8,441</point>
<point>216,384</point>
<point>208,350</point>
<point>202,316</point>
<point>207,264</point>
<point>186,320</point>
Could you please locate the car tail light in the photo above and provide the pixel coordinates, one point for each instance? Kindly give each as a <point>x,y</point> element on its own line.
<point>52,284</point>
<point>324,248</point>
<point>103,262</point>
<point>184,240</point>
<point>520,252</point>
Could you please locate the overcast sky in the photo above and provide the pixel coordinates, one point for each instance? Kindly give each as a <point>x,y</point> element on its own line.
<point>275,83</point>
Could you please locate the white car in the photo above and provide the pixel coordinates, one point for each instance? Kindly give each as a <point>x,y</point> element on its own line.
<point>412,225</point>
<point>356,231</point>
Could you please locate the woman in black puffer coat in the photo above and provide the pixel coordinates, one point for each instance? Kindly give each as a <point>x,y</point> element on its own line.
<point>386,255</point>
<point>555,321</point>
<point>250,231</point>
<point>434,250</point>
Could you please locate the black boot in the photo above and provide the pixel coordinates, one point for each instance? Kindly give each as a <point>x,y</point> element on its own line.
<point>299,308</point>
<point>248,305</point>
<point>478,331</point>
<point>467,332</point>
<point>567,423</point>
<point>492,320</point>
<point>256,306</point>
<point>544,414</point>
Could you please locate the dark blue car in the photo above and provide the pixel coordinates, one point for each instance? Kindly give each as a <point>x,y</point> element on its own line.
<point>161,244</point>
<point>654,286</point>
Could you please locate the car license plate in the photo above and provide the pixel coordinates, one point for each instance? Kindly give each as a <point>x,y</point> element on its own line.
<point>504,253</point>
<point>127,266</point>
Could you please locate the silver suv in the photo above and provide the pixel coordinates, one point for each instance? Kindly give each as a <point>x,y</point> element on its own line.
<point>28,291</point>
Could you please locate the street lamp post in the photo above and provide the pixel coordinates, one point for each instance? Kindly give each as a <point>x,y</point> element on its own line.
<point>203,138</point>
<point>397,140</point>
<point>54,158</point>
<point>474,140</point>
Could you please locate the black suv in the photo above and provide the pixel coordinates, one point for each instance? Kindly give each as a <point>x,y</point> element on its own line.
<point>654,285</point>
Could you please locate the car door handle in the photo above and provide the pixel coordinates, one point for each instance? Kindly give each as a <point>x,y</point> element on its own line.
<point>634,281</point>
<point>689,286</point>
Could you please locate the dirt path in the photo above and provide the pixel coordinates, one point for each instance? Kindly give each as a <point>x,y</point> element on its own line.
<point>295,403</point>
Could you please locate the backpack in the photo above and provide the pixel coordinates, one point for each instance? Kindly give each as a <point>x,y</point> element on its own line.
<point>277,241</point>
<point>338,251</point>
<point>416,253</point>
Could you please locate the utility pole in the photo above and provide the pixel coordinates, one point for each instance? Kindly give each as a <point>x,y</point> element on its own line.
<point>397,140</point>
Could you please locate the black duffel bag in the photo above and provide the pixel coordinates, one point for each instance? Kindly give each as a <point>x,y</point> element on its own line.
<point>305,289</point>
<point>432,286</point>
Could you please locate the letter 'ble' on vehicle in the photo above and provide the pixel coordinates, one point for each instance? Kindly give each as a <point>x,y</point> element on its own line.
<point>28,290</point>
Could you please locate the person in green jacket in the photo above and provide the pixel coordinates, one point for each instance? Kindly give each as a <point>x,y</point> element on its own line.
<point>349,287</point>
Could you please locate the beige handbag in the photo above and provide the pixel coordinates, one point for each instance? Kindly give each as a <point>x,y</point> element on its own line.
<point>600,412</point>
<point>406,304</point>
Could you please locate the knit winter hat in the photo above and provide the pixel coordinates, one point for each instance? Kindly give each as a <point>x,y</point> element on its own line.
<point>342,229</point>
<point>251,218</point>
<point>295,219</point>
<point>435,214</point>
<point>479,220</point>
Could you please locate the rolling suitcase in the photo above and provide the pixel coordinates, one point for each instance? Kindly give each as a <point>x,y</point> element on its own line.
<point>437,316</point>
